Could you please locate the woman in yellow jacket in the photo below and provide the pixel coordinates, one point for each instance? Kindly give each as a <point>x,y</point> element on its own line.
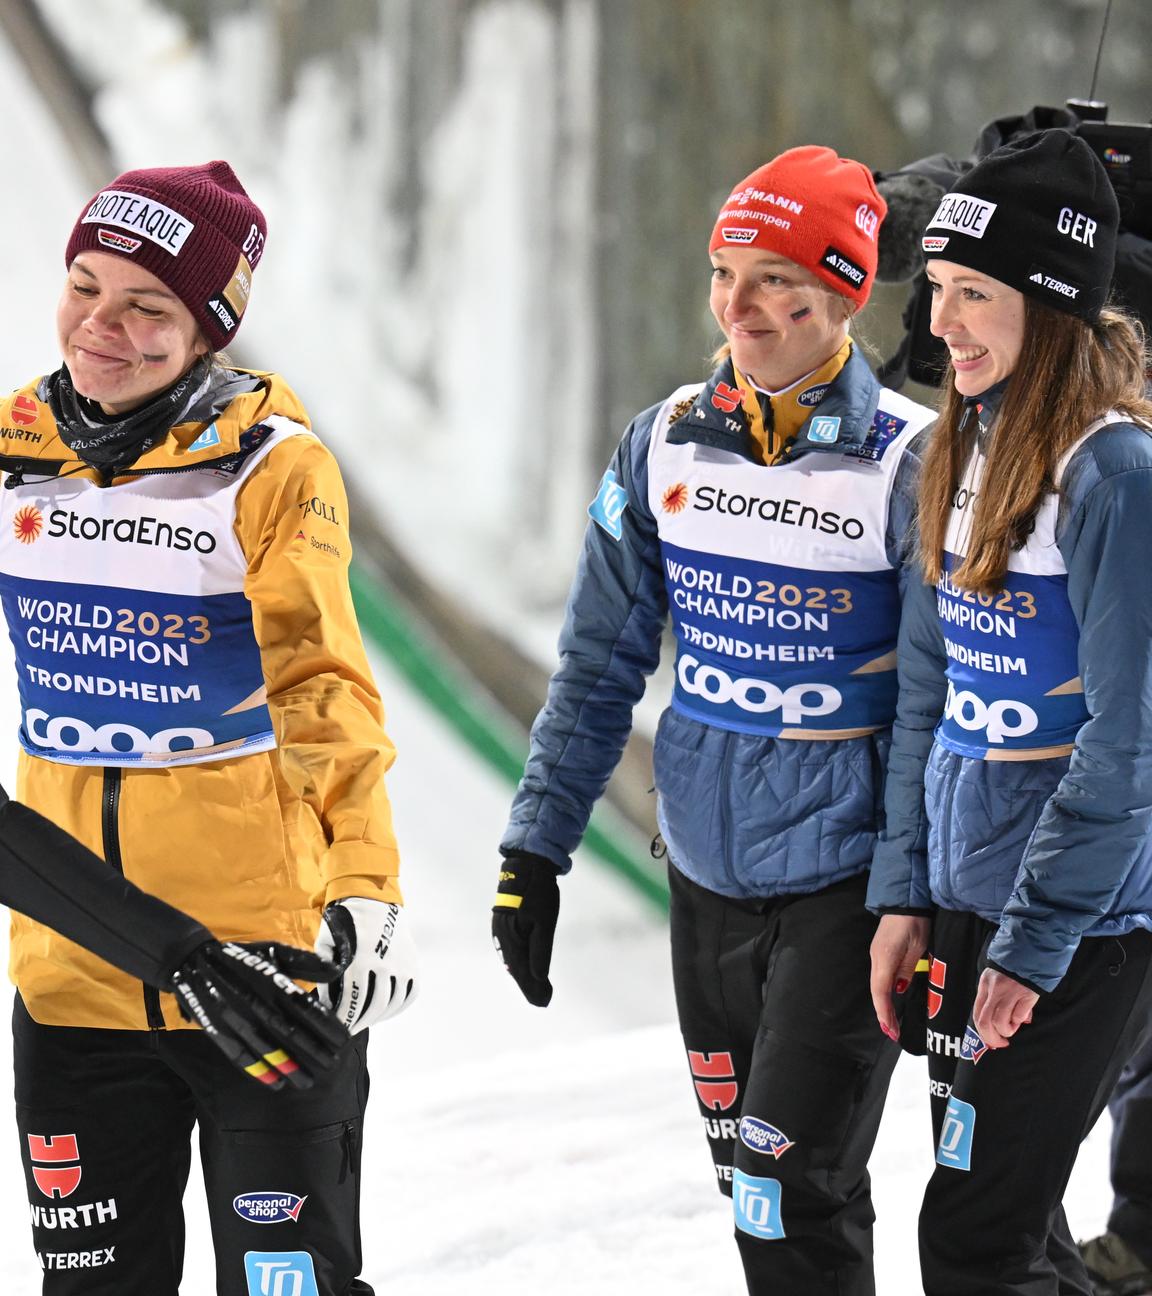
<point>196,707</point>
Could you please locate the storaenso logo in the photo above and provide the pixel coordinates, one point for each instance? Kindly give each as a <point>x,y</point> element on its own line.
<point>789,512</point>
<point>756,695</point>
<point>64,733</point>
<point>141,531</point>
<point>1000,720</point>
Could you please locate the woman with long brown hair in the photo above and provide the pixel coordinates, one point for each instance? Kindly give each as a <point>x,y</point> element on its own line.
<point>1020,797</point>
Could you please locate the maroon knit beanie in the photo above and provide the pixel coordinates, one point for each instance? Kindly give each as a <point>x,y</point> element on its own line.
<point>193,227</point>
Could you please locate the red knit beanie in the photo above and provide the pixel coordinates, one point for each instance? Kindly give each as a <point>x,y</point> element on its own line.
<point>813,207</point>
<point>193,227</point>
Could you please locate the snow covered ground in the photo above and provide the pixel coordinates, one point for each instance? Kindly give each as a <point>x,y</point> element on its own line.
<point>508,1149</point>
<point>518,1151</point>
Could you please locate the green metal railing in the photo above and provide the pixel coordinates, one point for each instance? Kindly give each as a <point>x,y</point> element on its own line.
<point>478,724</point>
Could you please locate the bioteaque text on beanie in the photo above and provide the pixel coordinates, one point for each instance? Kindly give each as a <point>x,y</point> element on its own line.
<point>193,227</point>
<point>813,207</point>
<point>1040,215</point>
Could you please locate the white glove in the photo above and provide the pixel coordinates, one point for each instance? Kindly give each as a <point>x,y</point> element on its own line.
<point>371,941</point>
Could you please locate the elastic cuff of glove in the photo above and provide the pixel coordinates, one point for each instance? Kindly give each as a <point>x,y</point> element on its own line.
<point>530,857</point>
<point>353,887</point>
<point>180,954</point>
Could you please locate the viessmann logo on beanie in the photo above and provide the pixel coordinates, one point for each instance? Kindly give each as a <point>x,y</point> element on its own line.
<point>813,207</point>
<point>193,227</point>
<point>1038,214</point>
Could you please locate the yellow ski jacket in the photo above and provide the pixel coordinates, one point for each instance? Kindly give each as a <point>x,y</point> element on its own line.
<point>196,702</point>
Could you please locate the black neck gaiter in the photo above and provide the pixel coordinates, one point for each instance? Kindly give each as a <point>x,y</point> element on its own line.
<point>113,443</point>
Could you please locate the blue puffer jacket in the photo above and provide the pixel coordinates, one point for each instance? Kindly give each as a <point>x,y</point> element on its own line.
<point>1050,850</point>
<point>744,815</point>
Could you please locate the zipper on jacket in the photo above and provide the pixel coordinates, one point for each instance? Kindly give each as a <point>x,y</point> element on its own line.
<point>110,831</point>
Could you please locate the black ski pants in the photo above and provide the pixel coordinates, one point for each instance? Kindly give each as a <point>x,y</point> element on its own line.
<point>791,1071</point>
<point>1009,1122</point>
<point>105,1120</point>
<point>1131,1108</point>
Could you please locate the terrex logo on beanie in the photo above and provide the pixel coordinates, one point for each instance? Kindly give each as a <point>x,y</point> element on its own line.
<point>1040,215</point>
<point>193,227</point>
<point>813,207</point>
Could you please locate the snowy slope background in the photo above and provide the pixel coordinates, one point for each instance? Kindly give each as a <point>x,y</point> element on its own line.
<point>508,1149</point>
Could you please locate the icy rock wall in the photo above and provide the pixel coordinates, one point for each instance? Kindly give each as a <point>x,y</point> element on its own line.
<point>489,217</point>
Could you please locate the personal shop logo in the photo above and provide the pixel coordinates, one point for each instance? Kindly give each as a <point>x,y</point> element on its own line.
<point>268,1207</point>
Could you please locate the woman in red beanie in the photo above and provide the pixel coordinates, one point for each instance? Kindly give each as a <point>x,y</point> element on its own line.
<point>765,512</point>
<point>197,708</point>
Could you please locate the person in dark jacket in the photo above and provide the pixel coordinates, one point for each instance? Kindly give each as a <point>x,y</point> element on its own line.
<point>1018,845</point>
<point>765,511</point>
<point>1119,1261</point>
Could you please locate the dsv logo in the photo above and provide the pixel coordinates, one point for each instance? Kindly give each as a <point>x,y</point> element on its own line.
<point>1000,720</point>
<point>756,695</point>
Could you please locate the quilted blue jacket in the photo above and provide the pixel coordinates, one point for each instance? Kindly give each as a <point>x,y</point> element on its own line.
<point>745,815</point>
<point>1049,850</point>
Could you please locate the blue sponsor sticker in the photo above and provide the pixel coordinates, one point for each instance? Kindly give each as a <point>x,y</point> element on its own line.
<point>756,1205</point>
<point>268,1207</point>
<point>608,507</point>
<point>280,1273</point>
<point>825,429</point>
<point>206,440</point>
<point>955,1146</point>
<point>760,1136</point>
<point>972,1047</point>
<point>813,395</point>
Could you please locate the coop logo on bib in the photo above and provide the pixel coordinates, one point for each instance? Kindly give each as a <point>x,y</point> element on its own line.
<point>756,695</point>
<point>998,720</point>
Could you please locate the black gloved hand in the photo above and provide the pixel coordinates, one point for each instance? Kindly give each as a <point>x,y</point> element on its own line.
<point>245,999</point>
<point>243,996</point>
<point>524,922</point>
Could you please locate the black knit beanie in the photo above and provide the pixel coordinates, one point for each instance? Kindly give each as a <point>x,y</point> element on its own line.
<point>1038,214</point>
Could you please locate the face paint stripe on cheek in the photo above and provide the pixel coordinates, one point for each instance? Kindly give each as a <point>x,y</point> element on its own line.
<point>153,359</point>
<point>801,314</point>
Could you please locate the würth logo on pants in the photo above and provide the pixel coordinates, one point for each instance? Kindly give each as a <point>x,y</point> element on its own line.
<point>48,1154</point>
<point>715,1079</point>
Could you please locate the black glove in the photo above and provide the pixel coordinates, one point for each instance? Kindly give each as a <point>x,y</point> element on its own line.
<point>524,922</point>
<point>912,1011</point>
<point>245,999</point>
